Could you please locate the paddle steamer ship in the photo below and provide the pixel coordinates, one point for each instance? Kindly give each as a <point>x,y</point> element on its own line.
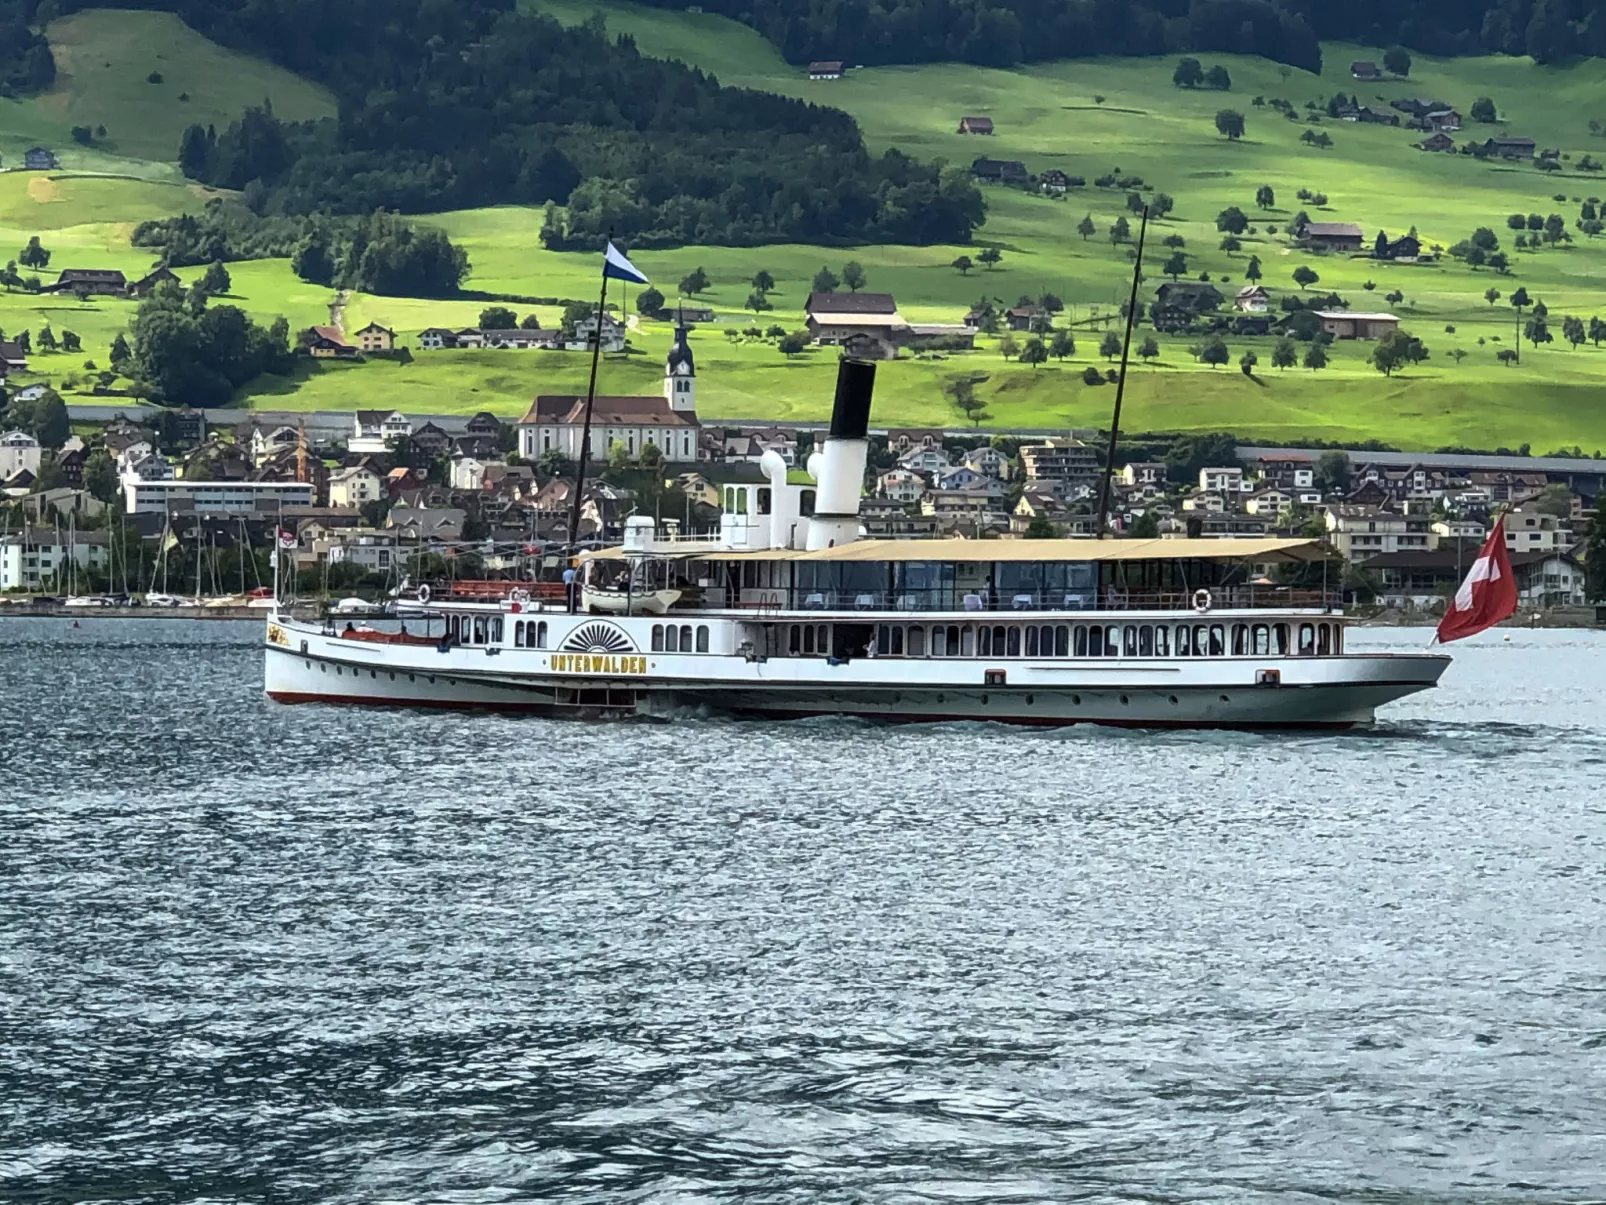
<point>785,611</point>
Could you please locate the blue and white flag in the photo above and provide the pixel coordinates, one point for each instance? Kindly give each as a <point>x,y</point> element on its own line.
<point>616,267</point>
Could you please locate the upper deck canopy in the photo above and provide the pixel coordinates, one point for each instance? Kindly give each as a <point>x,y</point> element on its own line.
<point>1016,551</point>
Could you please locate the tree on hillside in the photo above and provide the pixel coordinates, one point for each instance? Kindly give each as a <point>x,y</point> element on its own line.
<point>1536,330</point>
<point>1397,61</point>
<point>989,257</point>
<point>1395,350</point>
<point>757,302</point>
<point>1252,269</point>
<point>1087,228</point>
<point>1061,345</point>
<point>498,318</point>
<point>853,275</point>
<point>1572,330</point>
<point>1498,262</point>
<point>47,339</point>
<point>1214,352</point>
<point>1230,122</point>
<point>793,345</point>
<point>1482,110</point>
<point>1519,299</point>
<point>1135,203</point>
<point>1265,198</point>
<point>1332,473</point>
<point>71,342</point>
<point>1491,294</point>
<point>1177,266</point>
<point>1149,349</point>
<point>1305,276</point>
<point>1230,243</point>
<point>1175,241</point>
<point>1008,348</point>
<point>312,261</point>
<point>1218,78</point>
<point>694,282</point>
<point>1315,355</point>
<point>119,351</point>
<point>1161,205</point>
<point>1034,353</point>
<point>1121,231</point>
<point>1284,354</point>
<point>1188,73</point>
<point>193,151</point>
<point>34,255</point>
<point>961,392</point>
<point>649,302</point>
<point>963,264</point>
<point>763,281</point>
<point>1597,331</point>
<point>100,475</point>
<point>1232,220</point>
<point>216,281</point>
<point>51,426</point>
<point>1110,345</point>
<point>1247,362</point>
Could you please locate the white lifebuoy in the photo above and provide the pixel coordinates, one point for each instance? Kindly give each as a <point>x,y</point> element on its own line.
<point>519,596</point>
<point>423,594</point>
<point>1202,601</point>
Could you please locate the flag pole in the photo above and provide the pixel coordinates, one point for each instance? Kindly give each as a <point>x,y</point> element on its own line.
<point>1120,384</point>
<point>585,429</point>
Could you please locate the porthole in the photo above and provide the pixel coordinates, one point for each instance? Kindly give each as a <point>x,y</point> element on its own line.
<point>432,679</point>
<point>1076,700</point>
<point>339,672</point>
<point>939,698</point>
<point>392,677</point>
<point>1125,701</point>
<point>984,700</point>
<point>323,669</point>
<point>1173,699</point>
<point>373,673</point>
<point>1223,698</point>
<point>309,665</point>
<point>1028,700</point>
<point>411,678</point>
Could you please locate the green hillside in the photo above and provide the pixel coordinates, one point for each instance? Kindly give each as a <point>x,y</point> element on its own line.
<point>104,58</point>
<point>1085,117</point>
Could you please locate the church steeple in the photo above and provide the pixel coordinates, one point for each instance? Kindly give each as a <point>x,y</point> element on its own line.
<point>680,373</point>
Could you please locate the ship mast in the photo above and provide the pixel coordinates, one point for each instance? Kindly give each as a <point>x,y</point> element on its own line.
<point>1120,384</point>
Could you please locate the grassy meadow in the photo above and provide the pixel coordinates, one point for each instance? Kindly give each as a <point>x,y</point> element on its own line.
<point>1085,117</point>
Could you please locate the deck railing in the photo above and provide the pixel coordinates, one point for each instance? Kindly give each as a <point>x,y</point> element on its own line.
<point>1089,599</point>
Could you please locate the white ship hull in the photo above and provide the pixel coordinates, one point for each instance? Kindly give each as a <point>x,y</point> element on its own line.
<point>308,663</point>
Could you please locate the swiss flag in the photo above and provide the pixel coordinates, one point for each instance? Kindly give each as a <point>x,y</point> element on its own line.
<point>1487,596</point>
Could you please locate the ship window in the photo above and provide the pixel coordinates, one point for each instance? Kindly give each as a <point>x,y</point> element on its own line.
<point>967,642</point>
<point>897,641</point>
<point>1146,641</point>
<point>1031,640</point>
<point>1079,641</point>
<point>730,499</point>
<point>540,635</point>
<point>1324,639</point>
<point>805,503</point>
<point>984,641</point>
<point>1130,643</point>
<point>1279,633</point>
<point>998,640</point>
<point>1307,639</point>
<point>1162,641</point>
<point>883,639</point>
<point>1201,640</point>
<point>808,640</point>
<point>1261,640</point>
<point>702,638</point>
<point>1218,640</point>
<point>685,637</point>
<point>1013,638</point>
<point>657,637</point>
<point>479,629</point>
<point>763,500</point>
<point>518,633</point>
<point>1338,638</point>
<point>917,641</point>
<point>1240,639</point>
<point>1184,644</point>
<point>498,630</point>
<point>794,639</point>
<point>671,639</point>
<point>1095,641</point>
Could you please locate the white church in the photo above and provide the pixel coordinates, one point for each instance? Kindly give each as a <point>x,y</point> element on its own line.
<point>555,421</point>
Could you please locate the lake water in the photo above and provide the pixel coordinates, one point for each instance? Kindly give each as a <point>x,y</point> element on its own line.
<point>298,954</point>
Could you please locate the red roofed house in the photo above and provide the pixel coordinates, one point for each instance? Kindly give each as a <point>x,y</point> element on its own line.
<point>326,342</point>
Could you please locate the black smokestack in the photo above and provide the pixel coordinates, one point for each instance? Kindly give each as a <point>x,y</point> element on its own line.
<point>850,415</point>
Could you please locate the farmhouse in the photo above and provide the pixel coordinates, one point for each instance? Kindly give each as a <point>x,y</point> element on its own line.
<point>1333,236</point>
<point>1054,180</point>
<point>1439,120</point>
<point>1418,106</point>
<point>434,338</point>
<point>99,282</point>
<point>866,323</point>
<point>39,159</point>
<point>1406,247</point>
<point>1510,148</point>
<point>1021,317</point>
<point>693,313</point>
<point>374,337</point>
<point>1437,142</point>
<point>1365,69</point>
<point>1252,299</point>
<point>146,284</point>
<point>1381,117</point>
<point>1178,303</point>
<point>825,69</point>
<point>1344,325</point>
<point>585,334</point>
<point>374,431</point>
<point>975,125</point>
<point>326,343</point>
<point>12,358</point>
<point>999,171</point>
<point>523,339</point>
